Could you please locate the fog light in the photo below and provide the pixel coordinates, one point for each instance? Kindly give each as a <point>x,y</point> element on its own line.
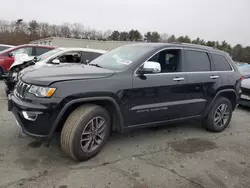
<point>30,115</point>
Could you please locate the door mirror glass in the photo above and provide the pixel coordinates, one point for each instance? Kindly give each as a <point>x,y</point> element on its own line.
<point>151,67</point>
<point>56,61</point>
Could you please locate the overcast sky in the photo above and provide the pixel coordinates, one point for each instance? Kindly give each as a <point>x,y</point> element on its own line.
<point>208,19</point>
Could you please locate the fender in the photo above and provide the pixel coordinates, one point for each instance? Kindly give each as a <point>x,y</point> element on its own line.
<point>88,99</point>
<point>216,96</point>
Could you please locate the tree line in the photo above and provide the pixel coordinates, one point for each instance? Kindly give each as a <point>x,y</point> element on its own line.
<point>21,32</point>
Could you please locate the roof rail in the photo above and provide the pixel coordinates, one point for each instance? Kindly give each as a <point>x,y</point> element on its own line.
<point>191,44</point>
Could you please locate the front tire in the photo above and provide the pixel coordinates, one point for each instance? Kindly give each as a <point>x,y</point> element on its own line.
<point>85,132</point>
<point>219,116</point>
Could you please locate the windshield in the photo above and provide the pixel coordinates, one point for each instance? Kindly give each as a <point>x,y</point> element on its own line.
<point>121,57</point>
<point>48,54</point>
<point>244,68</point>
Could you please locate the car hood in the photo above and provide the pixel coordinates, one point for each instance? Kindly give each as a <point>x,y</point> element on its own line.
<point>44,65</point>
<point>245,83</point>
<point>47,75</point>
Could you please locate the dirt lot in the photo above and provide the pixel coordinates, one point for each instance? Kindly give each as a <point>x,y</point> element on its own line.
<point>182,155</point>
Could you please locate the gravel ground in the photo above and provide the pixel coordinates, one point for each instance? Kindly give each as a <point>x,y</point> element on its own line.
<point>178,156</point>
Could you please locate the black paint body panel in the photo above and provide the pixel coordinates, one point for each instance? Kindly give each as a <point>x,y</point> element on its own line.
<point>141,100</point>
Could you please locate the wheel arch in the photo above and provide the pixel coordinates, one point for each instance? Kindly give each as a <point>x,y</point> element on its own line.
<point>108,103</point>
<point>230,94</point>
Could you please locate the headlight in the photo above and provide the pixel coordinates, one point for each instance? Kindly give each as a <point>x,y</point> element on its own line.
<point>42,91</point>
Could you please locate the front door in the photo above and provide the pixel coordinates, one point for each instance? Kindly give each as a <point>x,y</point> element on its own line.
<point>162,96</point>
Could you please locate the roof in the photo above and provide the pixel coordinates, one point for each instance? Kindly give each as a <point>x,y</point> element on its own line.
<point>38,45</point>
<point>28,45</point>
<point>177,44</point>
<point>82,49</point>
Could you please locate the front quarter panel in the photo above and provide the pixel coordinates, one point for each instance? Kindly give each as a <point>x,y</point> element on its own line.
<point>114,87</point>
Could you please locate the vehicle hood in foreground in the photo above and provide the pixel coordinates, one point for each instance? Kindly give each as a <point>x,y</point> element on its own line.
<point>48,75</point>
<point>41,64</point>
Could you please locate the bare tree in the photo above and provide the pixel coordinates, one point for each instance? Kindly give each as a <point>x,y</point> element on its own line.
<point>55,31</point>
<point>65,31</point>
<point>44,29</point>
<point>163,37</point>
<point>76,30</point>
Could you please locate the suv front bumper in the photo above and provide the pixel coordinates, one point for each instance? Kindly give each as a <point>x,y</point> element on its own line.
<point>36,120</point>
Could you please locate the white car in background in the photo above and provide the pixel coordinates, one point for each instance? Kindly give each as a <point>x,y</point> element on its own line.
<point>56,57</point>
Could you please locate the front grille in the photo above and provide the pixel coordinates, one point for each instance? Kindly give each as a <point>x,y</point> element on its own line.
<point>245,90</point>
<point>21,89</point>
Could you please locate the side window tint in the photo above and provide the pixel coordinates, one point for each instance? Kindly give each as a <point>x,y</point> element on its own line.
<point>90,56</point>
<point>221,63</point>
<point>197,61</point>
<point>168,59</point>
<point>40,51</point>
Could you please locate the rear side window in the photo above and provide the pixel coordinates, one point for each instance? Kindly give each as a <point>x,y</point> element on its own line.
<point>197,61</point>
<point>40,51</point>
<point>220,63</point>
<point>90,56</point>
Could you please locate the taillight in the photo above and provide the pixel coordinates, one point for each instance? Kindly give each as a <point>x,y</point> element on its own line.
<point>241,78</point>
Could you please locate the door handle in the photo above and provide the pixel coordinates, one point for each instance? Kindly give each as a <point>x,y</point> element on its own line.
<point>178,79</point>
<point>214,77</point>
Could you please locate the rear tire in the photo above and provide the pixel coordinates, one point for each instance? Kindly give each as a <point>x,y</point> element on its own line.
<point>78,127</point>
<point>219,116</point>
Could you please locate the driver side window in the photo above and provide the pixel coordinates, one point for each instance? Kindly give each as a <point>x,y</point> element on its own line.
<point>169,60</point>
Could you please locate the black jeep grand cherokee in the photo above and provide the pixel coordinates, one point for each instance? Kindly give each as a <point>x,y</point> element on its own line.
<point>132,86</point>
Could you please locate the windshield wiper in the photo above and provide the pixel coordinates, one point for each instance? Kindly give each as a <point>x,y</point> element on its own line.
<point>96,65</point>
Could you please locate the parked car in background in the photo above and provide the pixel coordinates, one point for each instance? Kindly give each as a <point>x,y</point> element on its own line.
<point>55,57</point>
<point>245,70</point>
<point>5,46</point>
<point>132,86</point>
<point>245,94</point>
<point>7,56</point>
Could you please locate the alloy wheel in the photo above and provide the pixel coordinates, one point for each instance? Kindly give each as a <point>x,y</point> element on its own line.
<point>93,134</point>
<point>221,115</point>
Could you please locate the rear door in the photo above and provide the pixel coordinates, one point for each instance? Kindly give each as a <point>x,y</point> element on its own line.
<point>202,81</point>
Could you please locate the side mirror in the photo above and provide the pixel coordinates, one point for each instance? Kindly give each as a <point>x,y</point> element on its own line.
<point>56,61</point>
<point>150,67</point>
<point>10,54</point>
